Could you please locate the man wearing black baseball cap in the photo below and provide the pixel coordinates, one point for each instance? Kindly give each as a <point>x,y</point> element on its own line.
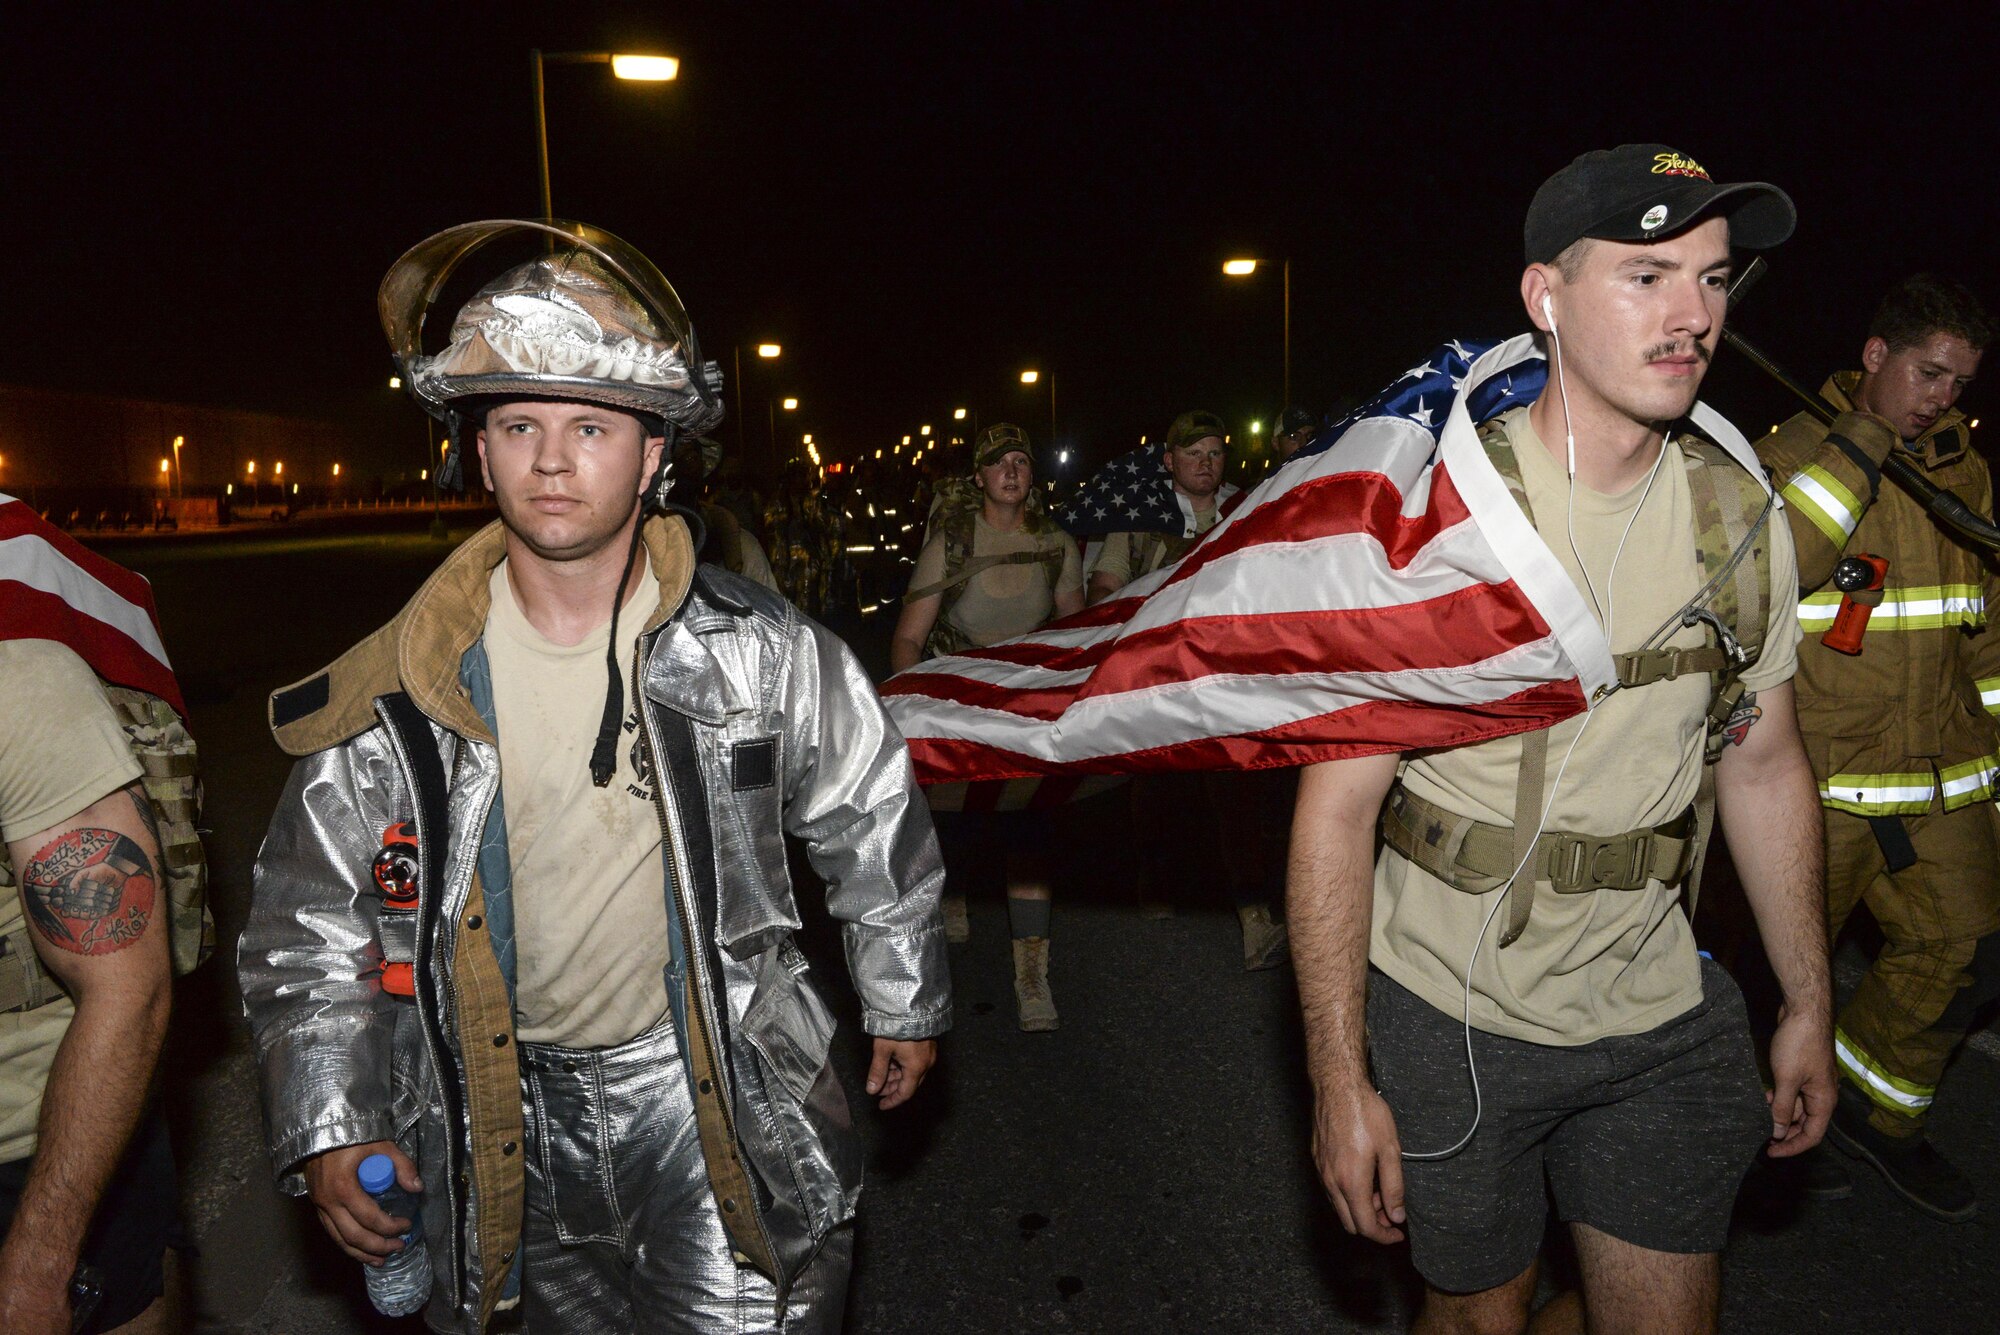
<point>1531,1018</point>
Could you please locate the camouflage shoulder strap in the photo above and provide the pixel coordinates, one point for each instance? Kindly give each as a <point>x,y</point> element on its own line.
<point>172,780</point>
<point>168,772</point>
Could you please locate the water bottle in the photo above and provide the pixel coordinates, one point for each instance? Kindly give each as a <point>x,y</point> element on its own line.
<point>401,1284</point>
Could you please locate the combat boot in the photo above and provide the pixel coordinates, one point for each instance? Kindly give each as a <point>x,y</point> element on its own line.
<point>1032,998</point>
<point>1264,940</point>
<point>957,925</point>
<point>1910,1165</point>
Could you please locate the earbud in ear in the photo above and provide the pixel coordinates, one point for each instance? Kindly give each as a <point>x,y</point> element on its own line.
<point>1549,309</point>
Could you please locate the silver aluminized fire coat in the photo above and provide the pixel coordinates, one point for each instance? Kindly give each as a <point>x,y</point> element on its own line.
<point>343,1063</point>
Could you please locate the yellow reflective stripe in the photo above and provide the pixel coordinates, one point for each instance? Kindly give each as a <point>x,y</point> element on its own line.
<point>1892,1092</point>
<point>1879,794</point>
<point>1825,499</point>
<point>1989,693</point>
<point>1969,782</point>
<point>1918,607</point>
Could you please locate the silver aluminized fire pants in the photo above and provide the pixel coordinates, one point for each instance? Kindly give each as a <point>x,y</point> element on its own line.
<point>623,1233</point>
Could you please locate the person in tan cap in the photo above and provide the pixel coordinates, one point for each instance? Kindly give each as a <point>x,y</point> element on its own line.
<point>994,565</point>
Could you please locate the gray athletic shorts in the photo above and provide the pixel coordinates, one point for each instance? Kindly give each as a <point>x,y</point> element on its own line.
<point>1645,1136</point>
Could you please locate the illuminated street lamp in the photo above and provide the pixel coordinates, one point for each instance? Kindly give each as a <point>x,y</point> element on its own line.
<point>336,470</point>
<point>958,414</point>
<point>906,440</point>
<point>766,352</point>
<point>1243,268</point>
<point>1030,377</point>
<point>791,405</point>
<point>278,468</point>
<point>395,382</point>
<point>636,68</point>
<point>180,480</point>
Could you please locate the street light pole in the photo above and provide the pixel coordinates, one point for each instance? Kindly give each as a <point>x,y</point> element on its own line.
<point>644,69</point>
<point>1243,268</point>
<point>1288,338</point>
<point>541,132</point>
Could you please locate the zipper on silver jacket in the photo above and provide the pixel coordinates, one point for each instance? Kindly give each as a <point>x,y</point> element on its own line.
<point>669,819</point>
<point>439,1067</point>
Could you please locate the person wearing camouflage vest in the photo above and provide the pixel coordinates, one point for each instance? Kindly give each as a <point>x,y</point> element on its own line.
<point>1902,734</point>
<point>994,565</point>
<point>1197,452</point>
<point>101,902</point>
<point>1502,994</point>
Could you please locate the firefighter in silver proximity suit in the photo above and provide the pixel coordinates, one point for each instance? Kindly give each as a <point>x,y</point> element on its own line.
<point>703,1175</point>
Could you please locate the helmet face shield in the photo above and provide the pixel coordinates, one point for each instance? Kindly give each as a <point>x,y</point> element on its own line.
<point>592,320</point>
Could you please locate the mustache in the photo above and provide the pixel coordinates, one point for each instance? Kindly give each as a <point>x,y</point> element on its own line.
<point>1660,351</point>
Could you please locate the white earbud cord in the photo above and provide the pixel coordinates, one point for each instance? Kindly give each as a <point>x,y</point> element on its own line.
<point>1605,612</point>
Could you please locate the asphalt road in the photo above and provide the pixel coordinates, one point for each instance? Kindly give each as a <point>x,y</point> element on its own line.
<point>1143,1169</point>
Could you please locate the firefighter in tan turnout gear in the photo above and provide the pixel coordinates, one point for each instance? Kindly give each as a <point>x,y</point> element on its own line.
<point>1899,722</point>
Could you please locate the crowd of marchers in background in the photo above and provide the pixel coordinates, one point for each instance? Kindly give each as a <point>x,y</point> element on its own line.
<point>964,539</point>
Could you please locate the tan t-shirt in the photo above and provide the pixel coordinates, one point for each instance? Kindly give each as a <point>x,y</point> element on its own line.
<point>61,749</point>
<point>590,909</point>
<point>1002,601</point>
<point>1120,556</point>
<point>1612,961</point>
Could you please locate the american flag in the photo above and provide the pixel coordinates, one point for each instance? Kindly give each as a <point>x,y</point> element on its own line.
<point>1131,494</point>
<point>53,588</point>
<point>1380,592</point>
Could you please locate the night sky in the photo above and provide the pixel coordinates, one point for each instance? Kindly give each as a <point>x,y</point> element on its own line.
<point>919,201</point>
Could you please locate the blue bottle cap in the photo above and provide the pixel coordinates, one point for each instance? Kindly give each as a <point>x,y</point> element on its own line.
<point>377,1174</point>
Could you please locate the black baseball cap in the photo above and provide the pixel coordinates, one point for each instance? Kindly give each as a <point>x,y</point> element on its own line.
<point>1648,192</point>
<point>1291,420</point>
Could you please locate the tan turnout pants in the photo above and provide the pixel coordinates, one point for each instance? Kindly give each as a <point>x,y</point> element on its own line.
<point>1896,1033</point>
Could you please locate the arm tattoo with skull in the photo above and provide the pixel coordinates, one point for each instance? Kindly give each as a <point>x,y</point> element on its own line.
<point>90,891</point>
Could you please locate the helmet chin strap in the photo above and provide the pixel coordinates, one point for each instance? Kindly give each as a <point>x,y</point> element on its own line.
<point>604,754</point>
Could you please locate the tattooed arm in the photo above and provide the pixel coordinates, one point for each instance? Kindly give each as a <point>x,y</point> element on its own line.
<point>94,892</point>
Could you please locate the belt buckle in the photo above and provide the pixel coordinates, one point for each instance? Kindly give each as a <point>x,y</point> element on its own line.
<point>1583,862</point>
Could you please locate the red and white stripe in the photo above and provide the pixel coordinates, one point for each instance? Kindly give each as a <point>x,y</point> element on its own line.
<point>53,588</point>
<point>1385,595</point>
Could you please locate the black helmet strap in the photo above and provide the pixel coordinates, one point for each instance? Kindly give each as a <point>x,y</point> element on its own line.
<point>604,755</point>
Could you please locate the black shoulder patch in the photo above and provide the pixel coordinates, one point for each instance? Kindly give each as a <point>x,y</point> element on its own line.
<point>753,764</point>
<point>300,701</point>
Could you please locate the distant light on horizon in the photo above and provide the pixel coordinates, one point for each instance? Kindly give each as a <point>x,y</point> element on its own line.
<point>646,69</point>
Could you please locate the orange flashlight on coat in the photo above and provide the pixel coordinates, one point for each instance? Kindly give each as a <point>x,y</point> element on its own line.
<point>1859,579</point>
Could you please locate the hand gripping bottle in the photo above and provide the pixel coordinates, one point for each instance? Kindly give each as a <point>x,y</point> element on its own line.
<point>401,1284</point>
<point>1859,579</point>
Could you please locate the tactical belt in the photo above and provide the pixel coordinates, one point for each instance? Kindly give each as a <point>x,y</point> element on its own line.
<point>1477,858</point>
<point>24,984</point>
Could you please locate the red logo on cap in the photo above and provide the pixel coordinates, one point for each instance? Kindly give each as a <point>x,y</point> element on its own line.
<point>1673,164</point>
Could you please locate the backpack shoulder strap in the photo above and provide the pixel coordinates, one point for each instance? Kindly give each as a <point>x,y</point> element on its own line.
<point>1500,451</point>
